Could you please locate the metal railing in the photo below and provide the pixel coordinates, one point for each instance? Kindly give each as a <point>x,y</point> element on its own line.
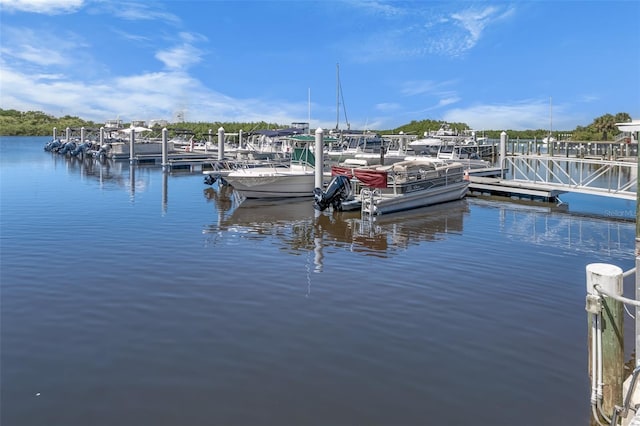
<point>612,178</point>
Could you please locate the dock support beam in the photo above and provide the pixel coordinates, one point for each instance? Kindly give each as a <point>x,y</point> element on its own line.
<point>220,143</point>
<point>165,149</point>
<point>503,152</point>
<point>55,133</point>
<point>319,154</point>
<point>607,363</point>
<point>132,150</point>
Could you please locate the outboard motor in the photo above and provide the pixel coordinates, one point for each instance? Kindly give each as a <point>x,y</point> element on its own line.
<point>210,179</point>
<point>53,145</point>
<point>67,147</point>
<point>339,190</point>
<point>81,148</point>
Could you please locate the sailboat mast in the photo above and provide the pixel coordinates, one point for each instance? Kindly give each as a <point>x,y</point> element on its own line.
<point>337,96</point>
<point>550,116</point>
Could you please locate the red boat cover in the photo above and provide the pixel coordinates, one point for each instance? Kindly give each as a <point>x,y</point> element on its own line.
<point>368,177</point>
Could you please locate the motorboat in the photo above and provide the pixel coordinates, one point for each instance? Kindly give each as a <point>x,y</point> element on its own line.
<point>426,146</point>
<point>397,187</point>
<point>349,144</point>
<point>468,155</point>
<point>276,179</point>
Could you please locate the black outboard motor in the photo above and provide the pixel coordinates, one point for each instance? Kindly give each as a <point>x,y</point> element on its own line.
<point>339,189</point>
<point>212,178</point>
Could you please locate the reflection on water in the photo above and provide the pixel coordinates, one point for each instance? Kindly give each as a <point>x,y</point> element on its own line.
<point>549,225</point>
<point>300,227</point>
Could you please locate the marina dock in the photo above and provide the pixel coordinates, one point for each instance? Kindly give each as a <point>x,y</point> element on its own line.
<point>481,185</point>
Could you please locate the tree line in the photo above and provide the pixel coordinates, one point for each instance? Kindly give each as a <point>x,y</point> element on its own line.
<point>37,123</point>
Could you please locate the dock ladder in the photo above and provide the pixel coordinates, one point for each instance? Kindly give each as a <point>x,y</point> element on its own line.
<point>368,200</point>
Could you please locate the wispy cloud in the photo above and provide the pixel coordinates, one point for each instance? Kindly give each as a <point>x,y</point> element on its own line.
<point>474,21</point>
<point>520,115</point>
<point>48,7</point>
<point>182,56</point>
<point>41,47</point>
<point>138,11</point>
<point>387,106</point>
<point>421,29</point>
<point>420,87</point>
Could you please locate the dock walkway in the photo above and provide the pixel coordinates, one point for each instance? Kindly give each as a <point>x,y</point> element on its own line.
<point>479,185</point>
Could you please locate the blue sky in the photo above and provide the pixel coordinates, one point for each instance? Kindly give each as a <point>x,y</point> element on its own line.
<point>493,65</point>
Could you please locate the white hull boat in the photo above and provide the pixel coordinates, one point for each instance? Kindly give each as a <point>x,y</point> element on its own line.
<point>277,181</point>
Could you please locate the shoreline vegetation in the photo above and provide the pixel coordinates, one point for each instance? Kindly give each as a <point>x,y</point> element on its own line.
<point>37,123</point>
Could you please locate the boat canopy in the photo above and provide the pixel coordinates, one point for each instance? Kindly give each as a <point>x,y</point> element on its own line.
<point>369,177</point>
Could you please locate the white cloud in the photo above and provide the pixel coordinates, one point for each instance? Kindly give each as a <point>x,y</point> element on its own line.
<point>133,11</point>
<point>39,47</point>
<point>387,106</point>
<point>522,115</point>
<point>183,56</point>
<point>49,7</point>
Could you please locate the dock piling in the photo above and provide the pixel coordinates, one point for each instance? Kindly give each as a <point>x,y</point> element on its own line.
<point>606,347</point>
<point>165,149</point>
<point>220,143</point>
<point>319,161</point>
<point>132,151</point>
<point>503,151</point>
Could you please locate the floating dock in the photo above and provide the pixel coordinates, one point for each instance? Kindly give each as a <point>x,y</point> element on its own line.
<point>480,185</point>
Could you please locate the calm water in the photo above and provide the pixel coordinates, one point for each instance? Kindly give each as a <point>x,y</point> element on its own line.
<point>129,297</point>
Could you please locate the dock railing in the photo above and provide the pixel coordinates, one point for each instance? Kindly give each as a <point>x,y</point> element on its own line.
<point>612,178</point>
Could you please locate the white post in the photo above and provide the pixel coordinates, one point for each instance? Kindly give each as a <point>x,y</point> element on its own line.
<point>503,152</point>
<point>101,137</point>
<point>55,133</point>
<point>609,366</point>
<point>209,140</point>
<point>132,140</point>
<point>68,133</point>
<point>319,154</point>
<point>82,136</point>
<point>220,143</point>
<point>240,138</point>
<point>165,149</point>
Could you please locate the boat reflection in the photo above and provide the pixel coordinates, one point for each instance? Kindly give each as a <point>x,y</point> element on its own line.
<point>300,228</point>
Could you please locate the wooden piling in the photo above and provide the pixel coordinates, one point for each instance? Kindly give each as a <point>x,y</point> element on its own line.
<point>608,279</point>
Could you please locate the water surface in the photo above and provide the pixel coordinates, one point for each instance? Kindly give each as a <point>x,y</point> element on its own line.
<point>130,297</point>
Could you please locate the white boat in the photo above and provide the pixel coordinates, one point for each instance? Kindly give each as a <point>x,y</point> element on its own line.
<point>349,144</point>
<point>401,186</point>
<point>426,146</point>
<point>395,148</point>
<point>467,155</point>
<point>432,141</point>
<point>277,180</point>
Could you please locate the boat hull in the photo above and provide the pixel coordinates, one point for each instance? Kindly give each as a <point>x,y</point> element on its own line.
<point>390,203</point>
<point>281,185</point>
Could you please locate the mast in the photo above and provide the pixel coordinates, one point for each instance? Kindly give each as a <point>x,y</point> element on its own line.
<point>550,117</point>
<point>337,96</point>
